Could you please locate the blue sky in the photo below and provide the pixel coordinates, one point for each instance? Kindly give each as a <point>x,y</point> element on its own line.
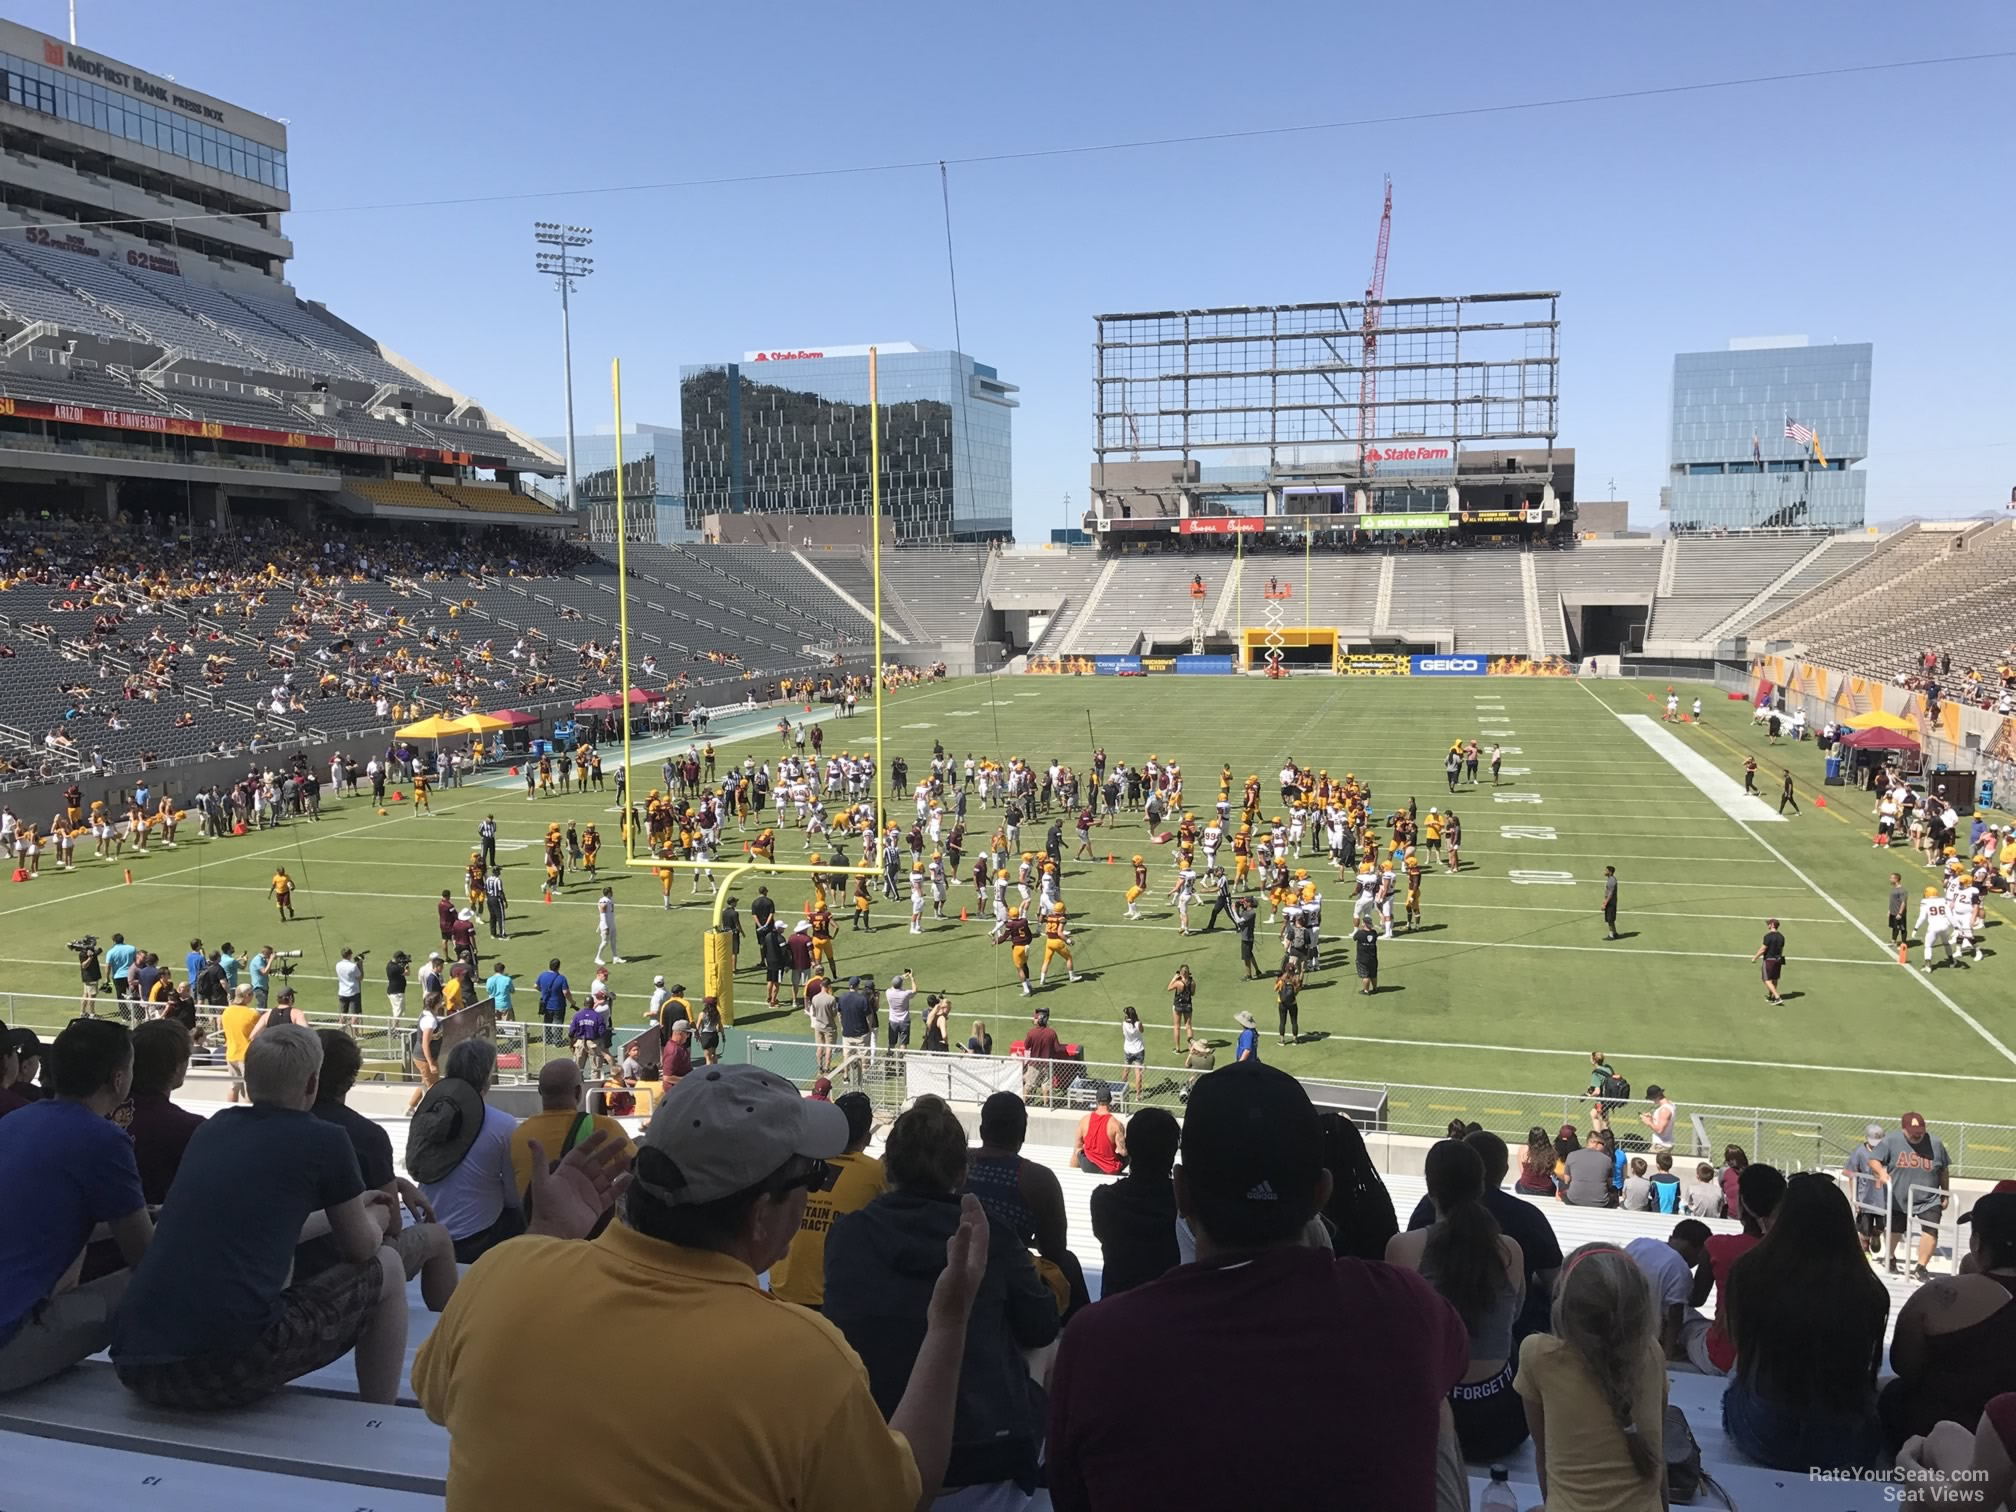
<point>1870,207</point>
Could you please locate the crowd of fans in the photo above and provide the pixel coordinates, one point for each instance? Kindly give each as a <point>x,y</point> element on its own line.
<point>928,1328</point>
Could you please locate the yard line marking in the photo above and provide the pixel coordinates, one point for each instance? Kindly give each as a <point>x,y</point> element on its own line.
<point>1716,786</point>
<point>1403,939</point>
<point>1832,902</point>
<point>1640,1055</point>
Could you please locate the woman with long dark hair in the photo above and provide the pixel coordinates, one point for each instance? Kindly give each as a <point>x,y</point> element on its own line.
<point>1482,1274</point>
<point>1807,1320</point>
<point>1360,1212</point>
<point>1536,1165</point>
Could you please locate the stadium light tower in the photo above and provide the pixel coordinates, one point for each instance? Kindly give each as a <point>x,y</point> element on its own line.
<point>560,257</point>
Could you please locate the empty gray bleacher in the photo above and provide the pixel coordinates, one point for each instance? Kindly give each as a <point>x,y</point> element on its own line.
<point>106,283</point>
<point>1940,590</point>
<point>1689,618</point>
<point>1042,581</point>
<point>1730,565</point>
<point>938,588</point>
<point>1841,554</point>
<point>1149,596</point>
<point>28,294</point>
<point>1342,591</point>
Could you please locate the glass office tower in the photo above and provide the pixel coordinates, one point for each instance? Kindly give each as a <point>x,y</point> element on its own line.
<point>786,432</point>
<point>1732,465</point>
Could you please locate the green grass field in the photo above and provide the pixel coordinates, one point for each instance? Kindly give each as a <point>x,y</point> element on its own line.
<point>1506,989</point>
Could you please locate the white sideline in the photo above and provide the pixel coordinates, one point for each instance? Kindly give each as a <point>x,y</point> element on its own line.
<point>1719,789</point>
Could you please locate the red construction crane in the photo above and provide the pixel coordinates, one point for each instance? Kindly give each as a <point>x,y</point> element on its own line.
<point>1368,377</point>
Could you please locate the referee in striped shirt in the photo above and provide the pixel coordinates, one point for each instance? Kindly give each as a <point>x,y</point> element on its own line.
<point>493,902</point>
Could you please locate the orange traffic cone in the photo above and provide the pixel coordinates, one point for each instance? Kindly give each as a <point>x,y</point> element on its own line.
<point>549,895</point>
<point>129,876</point>
<point>397,796</point>
<point>962,916</point>
<point>1819,800</point>
<point>1904,953</point>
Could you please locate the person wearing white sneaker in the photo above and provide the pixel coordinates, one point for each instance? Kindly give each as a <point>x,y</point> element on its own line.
<point>605,928</point>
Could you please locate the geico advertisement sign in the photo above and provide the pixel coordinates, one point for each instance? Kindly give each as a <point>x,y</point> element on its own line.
<point>1450,666</point>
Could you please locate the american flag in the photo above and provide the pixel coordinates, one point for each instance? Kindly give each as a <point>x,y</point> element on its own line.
<point>1796,432</point>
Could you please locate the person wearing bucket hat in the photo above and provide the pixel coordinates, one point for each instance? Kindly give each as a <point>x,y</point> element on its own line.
<point>1955,1344</point>
<point>1248,1047</point>
<point>719,1193</point>
<point>458,1148</point>
<point>1344,1339</point>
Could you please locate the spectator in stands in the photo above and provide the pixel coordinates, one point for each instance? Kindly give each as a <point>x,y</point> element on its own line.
<point>1520,1221</point>
<point>801,1275</point>
<point>1665,1194</point>
<point>561,1123</point>
<point>1595,1390</point>
<point>1481,1272</point>
<point>1100,1146</point>
<point>1913,1164</point>
<point>1587,1177</point>
<point>1669,1266</point>
<point>1709,1348</point>
<point>425,1250</point>
<point>211,1321</point>
<point>1636,1196</point>
<point>717,1198</point>
<point>1702,1198</point>
<point>1951,1467</point>
<point>458,1148</point>
<point>64,1169</point>
<point>1807,1319</point>
<point>1359,1356</point>
<point>1731,1178</point>
<point>882,1264</point>
<point>1134,1218</point>
<point>1359,1214</point>
<point>10,1070</point>
<point>160,1131</point>
<point>27,1047</point>
<point>1955,1346</point>
<point>1536,1164</point>
<point>1021,1194</point>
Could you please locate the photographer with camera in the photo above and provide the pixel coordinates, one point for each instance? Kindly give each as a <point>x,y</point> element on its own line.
<point>350,987</point>
<point>91,971</point>
<point>395,984</point>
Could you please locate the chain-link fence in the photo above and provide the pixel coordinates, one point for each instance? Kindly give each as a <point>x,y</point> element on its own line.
<point>1791,1139</point>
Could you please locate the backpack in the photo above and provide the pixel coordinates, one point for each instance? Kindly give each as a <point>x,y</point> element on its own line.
<point>1685,1479</point>
<point>1615,1089</point>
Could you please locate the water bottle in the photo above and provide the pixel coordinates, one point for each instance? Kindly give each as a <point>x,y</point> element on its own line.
<point>1498,1495</point>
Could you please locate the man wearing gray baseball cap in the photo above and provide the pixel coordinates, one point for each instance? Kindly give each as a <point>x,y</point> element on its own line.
<point>714,1200</point>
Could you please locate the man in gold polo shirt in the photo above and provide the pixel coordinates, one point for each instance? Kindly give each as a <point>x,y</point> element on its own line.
<point>718,1193</point>
<point>801,1275</point>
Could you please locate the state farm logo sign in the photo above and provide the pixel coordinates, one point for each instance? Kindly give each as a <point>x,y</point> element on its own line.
<point>1430,453</point>
<point>798,355</point>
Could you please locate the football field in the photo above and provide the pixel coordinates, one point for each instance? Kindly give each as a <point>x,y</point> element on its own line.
<point>1487,1012</point>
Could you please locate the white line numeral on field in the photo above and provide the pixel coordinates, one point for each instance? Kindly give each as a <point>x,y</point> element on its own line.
<point>1517,798</point>
<point>1515,771</point>
<point>1527,832</point>
<point>1512,750</point>
<point>1542,878</point>
<point>1494,734</point>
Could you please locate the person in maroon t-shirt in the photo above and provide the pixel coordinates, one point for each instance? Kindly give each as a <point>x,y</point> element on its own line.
<point>160,1130</point>
<point>1357,1355</point>
<point>445,910</point>
<point>1041,1045</point>
<point>676,1059</point>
